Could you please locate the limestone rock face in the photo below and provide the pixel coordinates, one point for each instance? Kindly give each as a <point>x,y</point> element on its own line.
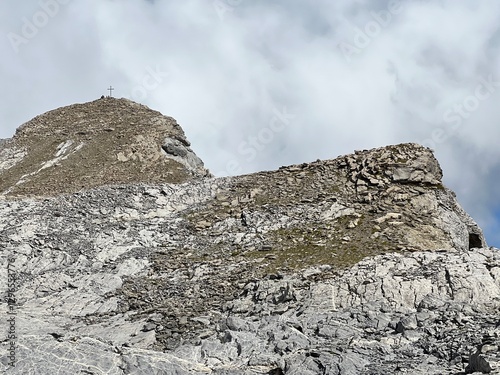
<point>107,141</point>
<point>363,264</point>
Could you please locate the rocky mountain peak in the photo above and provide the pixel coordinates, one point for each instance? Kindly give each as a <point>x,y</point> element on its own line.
<point>107,141</point>
<point>362,264</point>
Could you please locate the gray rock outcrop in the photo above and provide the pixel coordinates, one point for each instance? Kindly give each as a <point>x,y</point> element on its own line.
<point>364,264</point>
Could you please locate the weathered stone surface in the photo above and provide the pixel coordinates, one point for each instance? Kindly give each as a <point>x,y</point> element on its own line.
<point>364,264</point>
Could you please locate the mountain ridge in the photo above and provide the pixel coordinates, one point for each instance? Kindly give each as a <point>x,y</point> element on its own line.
<point>365,263</point>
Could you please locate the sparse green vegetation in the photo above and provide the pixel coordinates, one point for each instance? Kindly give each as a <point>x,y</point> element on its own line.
<point>299,248</point>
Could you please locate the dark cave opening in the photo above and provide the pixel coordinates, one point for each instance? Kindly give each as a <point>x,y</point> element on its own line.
<point>475,241</point>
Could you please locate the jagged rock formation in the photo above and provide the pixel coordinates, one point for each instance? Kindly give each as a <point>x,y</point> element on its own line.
<point>364,264</point>
<point>107,141</point>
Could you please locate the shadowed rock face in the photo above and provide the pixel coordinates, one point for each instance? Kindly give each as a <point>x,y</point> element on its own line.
<point>108,141</point>
<point>360,264</point>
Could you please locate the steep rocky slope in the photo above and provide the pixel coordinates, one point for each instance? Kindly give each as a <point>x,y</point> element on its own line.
<point>364,264</point>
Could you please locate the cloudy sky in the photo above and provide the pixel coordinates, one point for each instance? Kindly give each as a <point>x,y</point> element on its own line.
<point>257,84</point>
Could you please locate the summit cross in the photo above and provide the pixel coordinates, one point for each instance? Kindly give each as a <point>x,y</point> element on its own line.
<point>110,90</point>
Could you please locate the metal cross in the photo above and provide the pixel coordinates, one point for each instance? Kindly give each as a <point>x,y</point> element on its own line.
<point>110,90</point>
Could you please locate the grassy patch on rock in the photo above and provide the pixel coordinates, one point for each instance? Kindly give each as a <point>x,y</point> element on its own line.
<point>339,244</point>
